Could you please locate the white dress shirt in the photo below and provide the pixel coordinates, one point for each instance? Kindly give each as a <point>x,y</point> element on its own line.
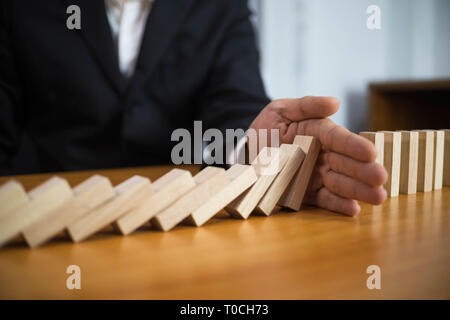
<point>127,19</point>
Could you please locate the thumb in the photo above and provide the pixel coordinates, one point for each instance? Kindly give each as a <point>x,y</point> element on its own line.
<point>306,108</point>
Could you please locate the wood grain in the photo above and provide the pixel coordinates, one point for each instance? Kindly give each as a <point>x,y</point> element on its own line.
<point>267,165</point>
<point>208,183</point>
<point>306,255</point>
<point>87,196</point>
<point>295,192</point>
<point>446,179</point>
<point>425,164</point>
<point>392,160</point>
<point>438,163</point>
<point>44,199</point>
<point>409,161</point>
<point>128,195</point>
<point>270,199</point>
<point>242,177</point>
<point>12,196</point>
<point>167,189</point>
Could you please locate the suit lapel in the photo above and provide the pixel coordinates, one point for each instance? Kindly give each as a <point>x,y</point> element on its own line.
<point>163,21</point>
<point>97,33</point>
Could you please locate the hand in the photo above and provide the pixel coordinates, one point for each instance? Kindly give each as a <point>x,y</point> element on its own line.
<point>346,170</point>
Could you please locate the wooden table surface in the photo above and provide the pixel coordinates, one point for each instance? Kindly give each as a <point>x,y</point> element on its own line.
<point>309,254</point>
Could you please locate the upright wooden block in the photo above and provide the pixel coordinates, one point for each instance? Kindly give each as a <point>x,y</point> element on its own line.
<point>242,177</point>
<point>294,194</point>
<point>129,195</point>
<point>425,164</point>
<point>88,195</point>
<point>267,165</point>
<point>43,200</point>
<point>12,196</point>
<point>438,165</point>
<point>209,182</point>
<point>446,179</point>
<point>408,163</point>
<point>270,199</point>
<point>392,159</point>
<point>377,138</point>
<point>167,189</point>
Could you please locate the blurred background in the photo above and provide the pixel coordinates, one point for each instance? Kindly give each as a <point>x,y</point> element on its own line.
<point>393,78</point>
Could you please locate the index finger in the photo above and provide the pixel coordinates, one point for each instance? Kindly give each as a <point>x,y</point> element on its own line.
<point>338,139</point>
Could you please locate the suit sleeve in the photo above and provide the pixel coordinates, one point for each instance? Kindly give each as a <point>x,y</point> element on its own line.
<point>234,94</point>
<point>10,96</point>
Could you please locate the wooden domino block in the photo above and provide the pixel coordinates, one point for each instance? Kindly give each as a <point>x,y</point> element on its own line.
<point>44,199</point>
<point>438,164</point>
<point>446,179</point>
<point>377,138</point>
<point>267,165</point>
<point>294,194</point>
<point>408,164</point>
<point>392,159</point>
<point>129,195</point>
<point>270,199</point>
<point>209,182</point>
<point>425,164</point>
<point>166,190</point>
<point>242,177</point>
<point>12,196</point>
<point>87,196</point>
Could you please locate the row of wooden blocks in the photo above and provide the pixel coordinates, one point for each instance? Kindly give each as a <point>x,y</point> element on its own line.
<point>278,176</point>
<point>416,160</point>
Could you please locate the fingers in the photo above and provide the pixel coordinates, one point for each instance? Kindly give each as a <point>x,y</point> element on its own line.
<point>351,188</point>
<point>370,173</point>
<point>338,139</point>
<point>327,200</point>
<point>306,108</point>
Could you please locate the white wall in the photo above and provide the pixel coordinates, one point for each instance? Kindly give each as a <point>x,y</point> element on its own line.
<point>323,47</point>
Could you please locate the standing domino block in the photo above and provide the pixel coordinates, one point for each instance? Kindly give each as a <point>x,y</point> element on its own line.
<point>209,182</point>
<point>267,165</point>
<point>167,189</point>
<point>446,158</point>
<point>294,194</point>
<point>88,195</point>
<point>377,138</point>
<point>242,177</point>
<point>408,163</point>
<point>295,158</point>
<point>44,199</point>
<point>438,165</point>
<point>129,195</point>
<point>425,164</point>
<point>392,159</point>
<point>12,196</point>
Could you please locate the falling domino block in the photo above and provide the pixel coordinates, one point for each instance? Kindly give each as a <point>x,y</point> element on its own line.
<point>209,182</point>
<point>12,196</point>
<point>129,195</point>
<point>377,138</point>
<point>267,165</point>
<point>392,159</point>
<point>87,195</point>
<point>242,177</point>
<point>294,194</point>
<point>166,189</point>
<point>43,200</point>
<point>438,165</point>
<point>270,199</point>
<point>409,160</point>
<point>446,179</point>
<point>425,164</point>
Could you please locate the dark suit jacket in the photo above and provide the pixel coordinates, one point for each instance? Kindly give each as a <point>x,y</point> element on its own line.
<point>66,106</point>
